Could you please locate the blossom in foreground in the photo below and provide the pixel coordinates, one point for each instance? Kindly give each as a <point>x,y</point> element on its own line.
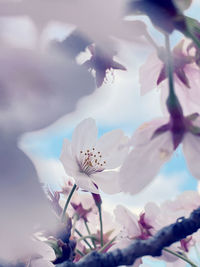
<point>154,144</point>
<point>42,255</point>
<point>90,161</point>
<point>34,92</point>
<point>186,78</point>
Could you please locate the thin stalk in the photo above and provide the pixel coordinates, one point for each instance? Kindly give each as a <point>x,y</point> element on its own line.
<point>107,244</point>
<point>88,229</point>
<point>101,224</point>
<point>169,63</point>
<point>67,202</point>
<point>86,242</point>
<point>76,217</point>
<point>180,256</point>
<point>173,104</point>
<point>80,253</point>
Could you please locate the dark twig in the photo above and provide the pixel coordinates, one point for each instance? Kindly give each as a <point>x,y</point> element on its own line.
<point>139,248</point>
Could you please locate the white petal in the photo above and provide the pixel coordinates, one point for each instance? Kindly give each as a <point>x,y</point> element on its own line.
<point>85,183</point>
<point>145,132</point>
<point>128,220</point>
<point>109,142</point>
<point>84,136</point>
<point>118,155</point>
<point>68,161</point>
<point>46,252</point>
<point>107,181</point>
<point>191,150</point>
<point>41,263</point>
<point>144,162</point>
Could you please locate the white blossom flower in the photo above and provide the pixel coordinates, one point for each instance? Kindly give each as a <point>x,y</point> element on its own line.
<point>44,255</point>
<point>91,162</point>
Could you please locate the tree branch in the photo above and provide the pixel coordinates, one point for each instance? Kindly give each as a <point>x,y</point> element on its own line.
<point>139,248</point>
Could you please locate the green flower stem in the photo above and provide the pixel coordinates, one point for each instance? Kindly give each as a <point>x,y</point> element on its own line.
<point>67,202</point>
<point>80,253</point>
<point>173,103</point>
<point>169,63</point>
<point>180,256</point>
<point>75,217</point>
<point>87,227</point>
<point>86,242</point>
<point>107,244</point>
<point>194,39</point>
<point>101,223</point>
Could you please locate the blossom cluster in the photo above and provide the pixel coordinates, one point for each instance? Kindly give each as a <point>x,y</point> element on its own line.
<point>41,83</point>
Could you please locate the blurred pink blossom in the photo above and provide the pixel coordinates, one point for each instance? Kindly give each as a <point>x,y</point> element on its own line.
<point>153,145</point>
<point>186,78</point>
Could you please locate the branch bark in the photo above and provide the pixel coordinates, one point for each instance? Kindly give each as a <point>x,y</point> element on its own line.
<point>152,247</point>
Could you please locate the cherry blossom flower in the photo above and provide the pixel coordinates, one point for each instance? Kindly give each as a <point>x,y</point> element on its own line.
<point>176,209</point>
<point>186,79</point>
<point>154,144</point>
<point>101,62</point>
<point>90,161</point>
<point>137,227</point>
<point>43,255</point>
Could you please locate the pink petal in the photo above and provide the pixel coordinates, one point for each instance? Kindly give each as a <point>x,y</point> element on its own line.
<point>128,220</point>
<point>149,73</point>
<point>85,183</point>
<point>109,142</point>
<point>144,162</point>
<point>145,132</point>
<point>84,136</point>
<point>68,161</point>
<point>107,181</point>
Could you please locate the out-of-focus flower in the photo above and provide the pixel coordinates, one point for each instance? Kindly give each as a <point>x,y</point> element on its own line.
<point>186,78</point>
<point>42,255</point>
<point>154,144</point>
<point>90,161</point>
<point>163,14</point>
<point>35,90</point>
<point>101,62</point>
<point>98,20</point>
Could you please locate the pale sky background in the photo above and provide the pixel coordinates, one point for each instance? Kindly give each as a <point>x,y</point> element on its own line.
<point>117,104</point>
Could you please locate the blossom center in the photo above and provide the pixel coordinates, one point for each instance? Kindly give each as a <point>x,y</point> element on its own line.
<point>91,161</point>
